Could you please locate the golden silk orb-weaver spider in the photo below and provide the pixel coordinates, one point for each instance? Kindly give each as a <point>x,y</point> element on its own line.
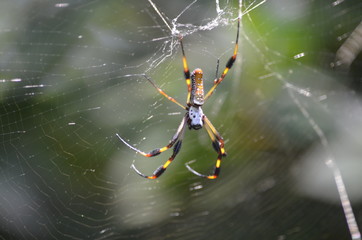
<point>194,117</point>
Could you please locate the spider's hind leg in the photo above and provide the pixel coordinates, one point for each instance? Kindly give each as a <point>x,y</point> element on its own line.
<point>158,151</point>
<point>215,173</point>
<point>176,142</point>
<point>216,138</point>
<point>218,144</point>
<point>161,169</point>
<point>152,153</point>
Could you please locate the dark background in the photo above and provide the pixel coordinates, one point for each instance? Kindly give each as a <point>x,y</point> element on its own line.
<point>69,83</point>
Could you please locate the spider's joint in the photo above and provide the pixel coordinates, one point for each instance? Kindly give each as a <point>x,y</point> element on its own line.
<point>177,147</point>
<point>154,152</point>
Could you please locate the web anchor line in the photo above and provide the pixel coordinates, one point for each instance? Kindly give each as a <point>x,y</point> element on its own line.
<point>330,163</point>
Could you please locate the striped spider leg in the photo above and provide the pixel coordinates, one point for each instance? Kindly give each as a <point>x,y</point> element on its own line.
<point>176,141</point>
<point>228,66</point>
<point>218,144</point>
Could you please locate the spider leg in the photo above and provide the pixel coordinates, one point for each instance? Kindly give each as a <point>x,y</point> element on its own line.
<point>158,151</point>
<point>217,140</point>
<point>161,169</point>
<point>162,92</point>
<point>218,144</point>
<point>229,65</point>
<point>186,73</point>
<point>217,68</point>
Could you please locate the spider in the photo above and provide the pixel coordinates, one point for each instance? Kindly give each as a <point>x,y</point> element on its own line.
<point>194,117</point>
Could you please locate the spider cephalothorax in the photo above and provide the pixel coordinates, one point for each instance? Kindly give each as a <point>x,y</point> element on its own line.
<point>194,117</point>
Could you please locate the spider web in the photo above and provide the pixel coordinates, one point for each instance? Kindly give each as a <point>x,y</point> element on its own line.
<point>289,111</point>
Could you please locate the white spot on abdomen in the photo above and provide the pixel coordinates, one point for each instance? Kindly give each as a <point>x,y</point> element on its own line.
<point>195,115</point>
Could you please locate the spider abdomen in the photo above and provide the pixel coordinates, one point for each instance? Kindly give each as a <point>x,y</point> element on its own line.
<point>195,118</point>
<point>197,87</point>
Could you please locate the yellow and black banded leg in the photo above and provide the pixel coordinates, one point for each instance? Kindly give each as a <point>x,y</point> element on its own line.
<point>162,92</point>
<point>178,139</point>
<point>163,167</point>
<point>158,151</point>
<point>228,66</point>
<point>217,140</point>
<point>215,173</point>
<point>152,153</point>
<point>186,73</point>
<point>216,168</point>
<point>218,144</point>
<point>175,141</point>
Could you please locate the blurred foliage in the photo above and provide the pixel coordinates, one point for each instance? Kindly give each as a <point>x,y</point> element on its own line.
<point>70,80</point>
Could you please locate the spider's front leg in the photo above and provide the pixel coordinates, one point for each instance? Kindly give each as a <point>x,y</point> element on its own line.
<point>228,66</point>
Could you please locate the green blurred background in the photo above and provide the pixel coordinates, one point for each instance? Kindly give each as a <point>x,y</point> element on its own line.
<point>69,81</point>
